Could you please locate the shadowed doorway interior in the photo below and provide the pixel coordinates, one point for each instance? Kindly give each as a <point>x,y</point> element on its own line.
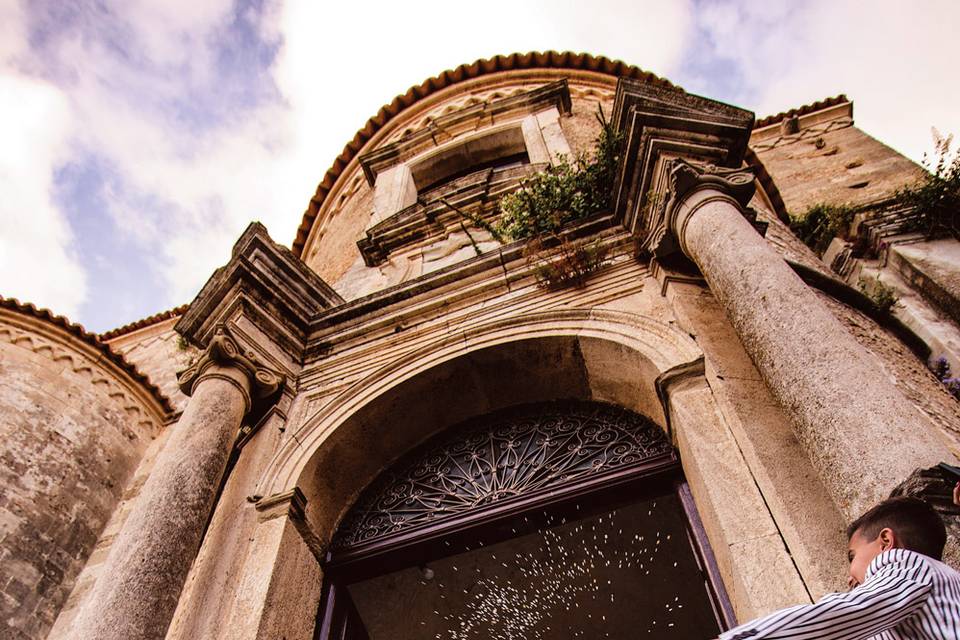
<point>544,521</point>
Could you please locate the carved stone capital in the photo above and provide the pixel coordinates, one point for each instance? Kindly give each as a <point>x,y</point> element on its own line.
<point>225,352</point>
<point>691,186</point>
<point>686,178</point>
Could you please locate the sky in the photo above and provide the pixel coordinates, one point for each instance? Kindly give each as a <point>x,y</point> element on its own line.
<point>139,138</point>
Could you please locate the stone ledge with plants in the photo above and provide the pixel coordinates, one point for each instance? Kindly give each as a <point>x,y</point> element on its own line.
<point>572,189</point>
<point>930,205</point>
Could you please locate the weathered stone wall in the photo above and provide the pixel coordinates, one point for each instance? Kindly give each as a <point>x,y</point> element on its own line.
<point>92,568</point>
<point>830,162</point>
<point>158,353</point>
<point>73,428</point>
<point>348,209</point>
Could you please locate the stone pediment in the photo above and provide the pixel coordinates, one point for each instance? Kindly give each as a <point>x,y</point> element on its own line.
<point>661,124</point>
<point>438,212</point>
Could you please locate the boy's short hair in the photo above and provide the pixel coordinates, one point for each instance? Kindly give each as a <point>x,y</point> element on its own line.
<point>917,525</point>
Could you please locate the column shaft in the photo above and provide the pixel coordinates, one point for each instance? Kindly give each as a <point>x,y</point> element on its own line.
<point>862,435</point>
<point>137,592</point>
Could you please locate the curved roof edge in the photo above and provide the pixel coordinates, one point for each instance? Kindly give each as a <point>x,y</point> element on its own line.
<point>91,339</point>
<point>487,66</point>
<point>800,111</point>
<point>144,322</point>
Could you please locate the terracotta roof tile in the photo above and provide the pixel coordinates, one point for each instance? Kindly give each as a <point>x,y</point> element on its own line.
<point>91,339</point>
<point>144,322</point>
<point>516,61</point>
<point>800,111</point>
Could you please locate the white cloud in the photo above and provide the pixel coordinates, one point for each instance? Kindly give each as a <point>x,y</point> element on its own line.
<point>895,60</point>
<point>37,263</point>
<point>265,163</point>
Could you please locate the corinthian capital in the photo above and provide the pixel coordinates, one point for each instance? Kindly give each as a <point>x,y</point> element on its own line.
<point>225,351</point>
<point>691,185</point>
<point>686,178</point>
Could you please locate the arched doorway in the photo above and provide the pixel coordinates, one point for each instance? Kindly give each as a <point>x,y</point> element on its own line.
<point>561,519</point>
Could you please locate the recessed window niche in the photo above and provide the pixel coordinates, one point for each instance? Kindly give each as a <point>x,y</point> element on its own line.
<point>526,125</point>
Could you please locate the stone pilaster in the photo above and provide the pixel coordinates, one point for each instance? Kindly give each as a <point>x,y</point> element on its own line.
<point>137,592</point>
<point>862,436</point>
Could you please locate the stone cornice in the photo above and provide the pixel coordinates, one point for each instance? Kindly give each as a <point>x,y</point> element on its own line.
<point>264,286</point>
<point>55,336</point>
<point>225,351</point>
<point>661,124</point>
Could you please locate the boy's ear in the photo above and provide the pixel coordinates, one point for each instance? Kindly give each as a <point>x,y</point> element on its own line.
<point>888,539</point>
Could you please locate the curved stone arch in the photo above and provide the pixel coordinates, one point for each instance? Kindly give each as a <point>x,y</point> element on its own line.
<point>652,348</point>
<point>338,451</point>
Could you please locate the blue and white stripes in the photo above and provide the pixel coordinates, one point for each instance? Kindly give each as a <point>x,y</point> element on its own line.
<point>904,595</point>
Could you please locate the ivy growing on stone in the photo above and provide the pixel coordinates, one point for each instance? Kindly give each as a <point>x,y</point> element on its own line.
<point>559,262</point>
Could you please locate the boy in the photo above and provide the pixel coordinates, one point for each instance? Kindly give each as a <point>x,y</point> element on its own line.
<point>899,587</point>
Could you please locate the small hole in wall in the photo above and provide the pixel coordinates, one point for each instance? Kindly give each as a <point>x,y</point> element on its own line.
<point>859,185</point>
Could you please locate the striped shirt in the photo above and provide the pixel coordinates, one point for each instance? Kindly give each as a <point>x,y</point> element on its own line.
<point>904,595</point>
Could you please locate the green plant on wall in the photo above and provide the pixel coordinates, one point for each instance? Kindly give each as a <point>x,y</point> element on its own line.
<point>883,296</point>
<point>821,223</point>
<point>935,196</point>
<point>570,190</point>
<point>559,262</point>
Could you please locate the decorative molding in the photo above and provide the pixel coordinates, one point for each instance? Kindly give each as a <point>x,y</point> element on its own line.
<point>686,177</point>
<point>665,224</point>
<point>513,454</point>
<point>224,351</point>
<point>670,377</point>
<point>446,127</point>
<point>266,284</point>
<point>289,503</point>
<point>293,505</point>
<point>88,369</point>
<point>660,125</point>
<point>25,319</point>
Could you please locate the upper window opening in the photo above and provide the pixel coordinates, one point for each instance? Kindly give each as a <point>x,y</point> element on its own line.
<point>515,160</point>
<point>502,146</point>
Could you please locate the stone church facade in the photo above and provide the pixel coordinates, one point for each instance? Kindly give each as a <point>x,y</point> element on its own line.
<point>325,425</point>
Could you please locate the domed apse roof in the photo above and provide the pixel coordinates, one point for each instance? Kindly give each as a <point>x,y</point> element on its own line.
<point>513,62</point>
<point>91,339</point>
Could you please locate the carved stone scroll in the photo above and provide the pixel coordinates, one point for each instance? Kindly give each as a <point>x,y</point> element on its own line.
<point>225,351</point>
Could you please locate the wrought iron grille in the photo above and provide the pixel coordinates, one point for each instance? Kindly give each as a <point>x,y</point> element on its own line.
<point>500,457</point>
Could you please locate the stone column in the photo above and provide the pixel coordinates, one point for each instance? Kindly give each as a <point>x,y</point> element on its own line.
<point>136,593</point>
<point>862,435</point>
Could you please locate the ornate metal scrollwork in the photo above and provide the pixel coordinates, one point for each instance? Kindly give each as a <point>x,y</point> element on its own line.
<point>498,458</point>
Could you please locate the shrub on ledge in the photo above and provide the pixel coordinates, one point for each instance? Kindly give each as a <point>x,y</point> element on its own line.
<point>935,196</point>
<point>821,223</point>
<point>570,190</point>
